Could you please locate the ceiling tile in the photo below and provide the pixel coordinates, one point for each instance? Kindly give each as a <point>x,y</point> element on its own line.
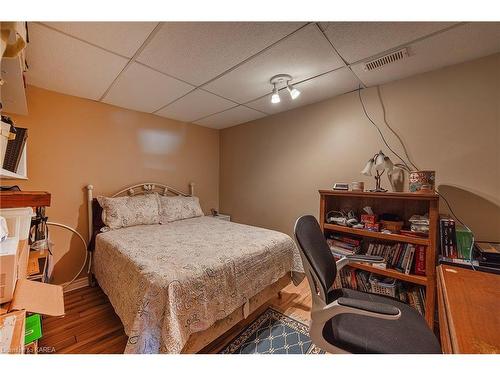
<point>195,105</point>
<point>199,51</point>
<point>60,63</point>
<point>144,89</point>
<point>305,54</point>
<point>233,116</point>
<point>123,38</point>
<point>320,88</point>
<point>462,43</point>
<point>358,40</point>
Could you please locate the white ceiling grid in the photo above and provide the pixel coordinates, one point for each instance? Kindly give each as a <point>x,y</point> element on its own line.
<point>216,74</point>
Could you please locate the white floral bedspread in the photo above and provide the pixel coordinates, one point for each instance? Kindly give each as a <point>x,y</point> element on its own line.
<point>168,281</point>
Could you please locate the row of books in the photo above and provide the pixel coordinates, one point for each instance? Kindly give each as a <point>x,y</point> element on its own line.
<point>353,279</point>
<point>404,257</point>
<point>413,296</point>
<point>360,280</point>
<point>455,241</point>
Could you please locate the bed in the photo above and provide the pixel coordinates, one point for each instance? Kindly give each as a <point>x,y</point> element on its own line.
<point>178,286</point>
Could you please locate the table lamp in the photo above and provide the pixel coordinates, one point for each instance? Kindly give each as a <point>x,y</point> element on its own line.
<point>381,163</point>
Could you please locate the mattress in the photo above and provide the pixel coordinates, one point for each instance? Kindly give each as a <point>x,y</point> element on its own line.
<point>168,281</point>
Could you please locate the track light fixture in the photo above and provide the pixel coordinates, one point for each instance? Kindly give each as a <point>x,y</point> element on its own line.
<point>276,97</point>
<point>284,80</point>
<point>294,93</point>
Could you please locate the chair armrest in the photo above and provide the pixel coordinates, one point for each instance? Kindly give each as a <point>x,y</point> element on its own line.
<point>344,261</point>
<point>375,307</point>
<point>351,306</point>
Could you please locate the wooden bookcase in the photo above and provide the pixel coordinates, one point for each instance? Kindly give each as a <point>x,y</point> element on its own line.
<point>403,204</point>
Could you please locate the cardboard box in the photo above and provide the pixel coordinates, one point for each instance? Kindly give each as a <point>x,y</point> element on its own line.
<point>23,254</point>
<point>12,326</point>
<point>32,296</point>
<point>368,219</point>
<point>13,266</point>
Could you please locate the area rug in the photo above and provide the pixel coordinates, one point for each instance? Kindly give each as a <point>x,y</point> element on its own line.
<point>273,333</point>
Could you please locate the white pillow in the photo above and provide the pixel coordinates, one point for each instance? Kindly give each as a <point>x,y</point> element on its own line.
<point>178,208</point>
<point>124,212</point>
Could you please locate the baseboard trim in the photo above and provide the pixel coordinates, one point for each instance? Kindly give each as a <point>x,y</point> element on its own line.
<point>77,284</point>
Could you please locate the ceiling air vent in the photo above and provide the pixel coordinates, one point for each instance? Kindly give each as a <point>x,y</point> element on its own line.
<point>386,59</point>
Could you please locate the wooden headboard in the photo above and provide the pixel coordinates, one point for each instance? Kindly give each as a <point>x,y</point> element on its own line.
<point>94,210</point>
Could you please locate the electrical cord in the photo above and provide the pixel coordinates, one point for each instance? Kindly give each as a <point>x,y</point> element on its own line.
<point>403,146</point>
<point>471,256</point>
<point>379,131</point>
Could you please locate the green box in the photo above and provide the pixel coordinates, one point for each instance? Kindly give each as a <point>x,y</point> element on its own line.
<point>33,330</point>
<point>464,241</point>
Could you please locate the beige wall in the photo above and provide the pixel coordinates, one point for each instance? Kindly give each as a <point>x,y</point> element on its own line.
<point>73,142</point>
<point>272,168</point>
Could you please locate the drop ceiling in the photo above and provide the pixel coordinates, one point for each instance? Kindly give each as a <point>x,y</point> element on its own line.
<point>217,74</point>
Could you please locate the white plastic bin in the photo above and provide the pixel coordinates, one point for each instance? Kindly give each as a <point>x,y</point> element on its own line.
<point>18,221</point>
<point>8,268</point>
<point>14,254</point>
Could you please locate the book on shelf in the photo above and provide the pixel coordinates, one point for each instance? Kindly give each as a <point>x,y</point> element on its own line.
<point>399,256</point>
<point>419,261</point>
<point>447,237</point>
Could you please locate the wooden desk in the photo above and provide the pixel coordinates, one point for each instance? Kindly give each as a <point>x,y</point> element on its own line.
<point>14,199</point>
<point>469,310</point>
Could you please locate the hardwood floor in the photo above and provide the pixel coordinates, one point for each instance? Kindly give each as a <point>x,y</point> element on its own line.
<point>91,326</point>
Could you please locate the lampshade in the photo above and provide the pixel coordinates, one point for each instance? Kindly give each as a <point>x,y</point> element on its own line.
<point>379,161</point>
<point>388,164</point>
<point>367,171</point>
<point>275,98</point>
<point>294,93</point>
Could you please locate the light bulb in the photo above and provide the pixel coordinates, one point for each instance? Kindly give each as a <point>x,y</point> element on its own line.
<point>294,93</point>
<point>276,97</point>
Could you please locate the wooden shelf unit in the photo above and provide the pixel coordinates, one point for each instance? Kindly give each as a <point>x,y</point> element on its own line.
<point>403,204</point>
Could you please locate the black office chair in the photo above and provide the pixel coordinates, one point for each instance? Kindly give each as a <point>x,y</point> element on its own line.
<point>349,321</point>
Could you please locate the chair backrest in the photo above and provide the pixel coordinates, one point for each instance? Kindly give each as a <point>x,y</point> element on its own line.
<point>318,260</point>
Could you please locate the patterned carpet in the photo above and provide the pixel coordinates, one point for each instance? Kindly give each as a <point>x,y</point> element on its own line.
<point>273,333</point>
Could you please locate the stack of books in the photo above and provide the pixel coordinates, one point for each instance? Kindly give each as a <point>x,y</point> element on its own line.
<point>343,245</point>
<point>403,257</point>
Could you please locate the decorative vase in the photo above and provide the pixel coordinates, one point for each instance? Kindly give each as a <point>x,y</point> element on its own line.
<point>422,178</point>
<point>397,179</point>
